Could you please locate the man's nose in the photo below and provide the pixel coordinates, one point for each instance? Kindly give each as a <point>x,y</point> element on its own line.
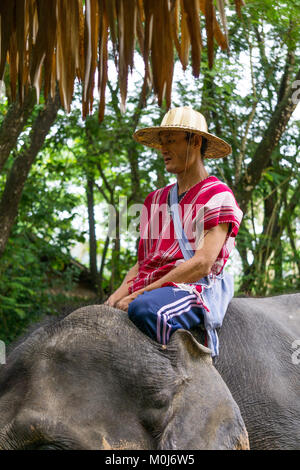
<point>164,147</point>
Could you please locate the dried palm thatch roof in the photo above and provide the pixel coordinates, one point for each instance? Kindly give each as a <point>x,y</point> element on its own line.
<point>49,41</point>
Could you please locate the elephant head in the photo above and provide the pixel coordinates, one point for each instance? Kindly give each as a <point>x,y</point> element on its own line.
<point>93,381</point>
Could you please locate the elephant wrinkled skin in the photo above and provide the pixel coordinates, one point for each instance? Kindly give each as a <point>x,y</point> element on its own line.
<point>93,381</point>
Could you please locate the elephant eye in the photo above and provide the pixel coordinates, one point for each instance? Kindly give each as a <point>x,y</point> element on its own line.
<point>46,446</point>
<point>31,436</point>
<point>49,447</point>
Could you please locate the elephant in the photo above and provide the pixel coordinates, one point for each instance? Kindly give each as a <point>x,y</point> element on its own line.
<point>262,333</point>
<point>92,380</point>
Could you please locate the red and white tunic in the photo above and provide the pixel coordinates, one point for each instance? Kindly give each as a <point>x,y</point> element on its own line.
<point>210,201</point>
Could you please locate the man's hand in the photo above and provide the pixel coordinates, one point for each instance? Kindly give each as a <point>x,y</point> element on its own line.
<point>122,291</point>
<point>123,303</point>
<point>112,300</point>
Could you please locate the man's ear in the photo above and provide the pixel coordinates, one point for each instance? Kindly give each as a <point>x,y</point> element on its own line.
<point>197,141</point>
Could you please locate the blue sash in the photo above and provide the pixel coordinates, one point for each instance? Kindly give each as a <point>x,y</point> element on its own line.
<point>217,291</point>
<point>180,233</point>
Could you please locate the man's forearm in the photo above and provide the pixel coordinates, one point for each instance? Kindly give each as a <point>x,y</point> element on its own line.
<point>188,271</point>
<point>122,291</point>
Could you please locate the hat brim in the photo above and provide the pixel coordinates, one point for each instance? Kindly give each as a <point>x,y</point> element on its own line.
<point>216,147</point>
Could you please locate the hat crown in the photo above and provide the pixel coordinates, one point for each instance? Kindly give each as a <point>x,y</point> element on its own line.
<point>185,116</point>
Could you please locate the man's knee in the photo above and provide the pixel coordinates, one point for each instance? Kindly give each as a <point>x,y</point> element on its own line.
<point>139,308</point>
<point>140,312</point>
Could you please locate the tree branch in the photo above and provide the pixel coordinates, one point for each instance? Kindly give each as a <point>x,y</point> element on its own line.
<point>102,174</point>
<point>13,124</point>
<point>270,140</point>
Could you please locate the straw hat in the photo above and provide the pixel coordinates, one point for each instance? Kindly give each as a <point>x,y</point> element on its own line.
<point>184,119</point>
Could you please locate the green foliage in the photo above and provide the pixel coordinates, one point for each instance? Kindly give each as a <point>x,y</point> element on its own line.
<point>35,271</point>
<point>32,273</point>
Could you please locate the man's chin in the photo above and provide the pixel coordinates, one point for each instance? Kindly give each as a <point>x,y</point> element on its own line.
<point>171,170</point>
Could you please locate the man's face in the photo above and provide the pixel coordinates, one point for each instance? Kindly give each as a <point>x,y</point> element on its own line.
<point>175,152</point>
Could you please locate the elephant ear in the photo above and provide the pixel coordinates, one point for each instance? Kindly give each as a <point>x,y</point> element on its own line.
<point>202,414</point>
<point>189,345</point>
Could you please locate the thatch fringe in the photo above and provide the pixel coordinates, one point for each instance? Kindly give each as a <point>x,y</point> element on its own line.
<point>44,41</point>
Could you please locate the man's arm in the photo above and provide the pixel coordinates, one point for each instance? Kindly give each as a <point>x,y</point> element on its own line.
<point>192,270</point>
<point>122,291</point>
<point>200,264</point>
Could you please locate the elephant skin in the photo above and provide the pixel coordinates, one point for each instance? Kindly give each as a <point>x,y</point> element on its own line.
<point>93,381</point>
<point>261,367</point>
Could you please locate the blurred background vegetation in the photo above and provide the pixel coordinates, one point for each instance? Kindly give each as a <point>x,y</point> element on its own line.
<point>59,251</point>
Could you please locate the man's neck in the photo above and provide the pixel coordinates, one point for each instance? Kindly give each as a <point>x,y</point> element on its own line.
<point>187,180</point>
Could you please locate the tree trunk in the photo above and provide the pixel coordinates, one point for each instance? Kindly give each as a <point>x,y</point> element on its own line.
<point>135,173</point>
<point>115,271</point>
<point>18,175</point>
<point>13,124</point>
<point>104,253</point>
<point>294,249</point>
<point>278,263</point>
<point>269,142</point>
<point>92,232</point>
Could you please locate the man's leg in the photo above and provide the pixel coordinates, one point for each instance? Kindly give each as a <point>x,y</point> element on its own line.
<point>160,312</point>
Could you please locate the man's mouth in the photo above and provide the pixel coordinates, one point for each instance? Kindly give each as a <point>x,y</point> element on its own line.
<point>167,159</point>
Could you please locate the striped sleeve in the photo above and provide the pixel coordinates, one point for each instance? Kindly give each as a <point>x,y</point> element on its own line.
<point>222,208</point>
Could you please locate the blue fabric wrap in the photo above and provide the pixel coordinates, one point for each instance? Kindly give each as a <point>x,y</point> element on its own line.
<point>180,233</point>
<point>217,291</point>
<point>160,312</point>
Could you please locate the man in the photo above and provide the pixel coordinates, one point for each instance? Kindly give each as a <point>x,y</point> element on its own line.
<point>172,287</point>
